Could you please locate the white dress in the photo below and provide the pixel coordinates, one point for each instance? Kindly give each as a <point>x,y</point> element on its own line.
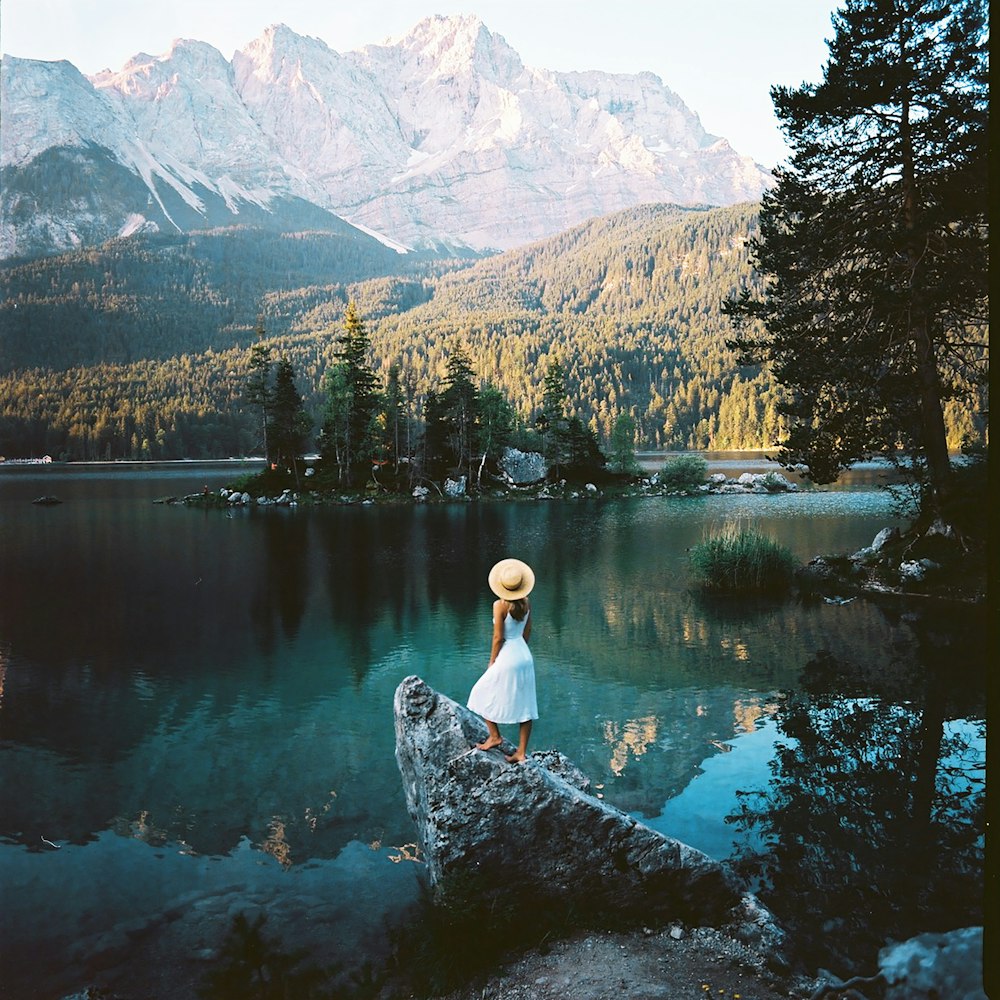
<point>506,691</point>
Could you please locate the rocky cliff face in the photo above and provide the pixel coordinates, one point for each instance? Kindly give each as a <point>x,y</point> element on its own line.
<point>534,827</point>
<point>441,136</point>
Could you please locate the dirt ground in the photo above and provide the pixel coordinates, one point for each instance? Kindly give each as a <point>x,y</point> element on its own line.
<point>640,966</point>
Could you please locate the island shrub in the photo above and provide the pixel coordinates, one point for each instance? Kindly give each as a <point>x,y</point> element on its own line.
<point>742,560</point>
<point>684,474</point>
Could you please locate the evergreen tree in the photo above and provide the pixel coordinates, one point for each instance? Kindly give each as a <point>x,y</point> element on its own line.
<point>289,424</point>
<point>351,400</point>
<point>258,384</point>
<point>874,240</point>
<point>584,459</point>
<point>622,444</point>
<point>395,415</point>
<point>495,424</point>
<point>551,423</point>
<point>459,400</point>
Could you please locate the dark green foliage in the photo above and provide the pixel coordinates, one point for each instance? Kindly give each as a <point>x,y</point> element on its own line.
<point>622,445</point>
<point>496,423</point>
<point>350,433</point>
<point>628,305</point>
<point>259,388</point>
<point>874,242</point>
<point>684,474</point>
<point>157,297</point>
<point>742,561</point>
<point>458,410</point>
<point>584,458</point>
<point>290,427</point>
<point>864,794</point>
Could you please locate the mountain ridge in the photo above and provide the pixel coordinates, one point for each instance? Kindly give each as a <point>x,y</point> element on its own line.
<point>439,136</point>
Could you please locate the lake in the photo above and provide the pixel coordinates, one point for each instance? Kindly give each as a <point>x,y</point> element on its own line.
<point>196,715</point>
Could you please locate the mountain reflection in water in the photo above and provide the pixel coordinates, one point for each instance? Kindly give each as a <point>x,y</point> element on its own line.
<point>197,709</point>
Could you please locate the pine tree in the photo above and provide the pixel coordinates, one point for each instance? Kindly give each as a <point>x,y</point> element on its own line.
<point>351,400</point>
<point>258,384</point>
<point>495,424</point>
<point>289,424</point>
<point>551,422</point>
<point>874,240</point>
<point>394,414</point>
<point>622,444</point>
<point>459,399</point>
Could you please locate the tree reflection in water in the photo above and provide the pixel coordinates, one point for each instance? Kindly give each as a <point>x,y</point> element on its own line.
<point>873,824</point>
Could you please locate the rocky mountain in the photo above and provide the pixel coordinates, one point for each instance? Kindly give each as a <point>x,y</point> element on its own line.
<point>442,136</point>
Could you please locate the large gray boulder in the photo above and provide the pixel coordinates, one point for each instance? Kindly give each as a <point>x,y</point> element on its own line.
<point>522,468</point>
<point>535,827</point>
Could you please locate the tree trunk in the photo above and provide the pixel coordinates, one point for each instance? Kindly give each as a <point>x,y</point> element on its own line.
<point>932,432</point>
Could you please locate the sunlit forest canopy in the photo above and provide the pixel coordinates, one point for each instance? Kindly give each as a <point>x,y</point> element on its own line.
<point>140,349</point>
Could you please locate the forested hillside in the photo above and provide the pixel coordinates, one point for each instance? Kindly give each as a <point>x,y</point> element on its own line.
<point>141,350</point>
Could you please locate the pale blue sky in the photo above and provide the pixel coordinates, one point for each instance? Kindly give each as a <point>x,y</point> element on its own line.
<point>720,56</point>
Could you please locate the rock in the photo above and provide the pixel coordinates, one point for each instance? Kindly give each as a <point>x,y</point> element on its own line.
<point>47,501</point>
<point>939,542</point>
<point>590,488</point>
<point>916,570</point>
<point>420,492</point>
<point>523,468</point>
<point>885,537</point>
<point>455,487</point>
<point>535,826</point>
<point>935,965</point>
<point>717,478</point>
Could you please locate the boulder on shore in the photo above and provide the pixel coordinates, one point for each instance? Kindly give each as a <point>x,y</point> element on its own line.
<point>535,828</point>
<point>523,468</point>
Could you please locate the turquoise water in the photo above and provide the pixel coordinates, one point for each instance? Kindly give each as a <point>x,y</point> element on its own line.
<point>196,707</point>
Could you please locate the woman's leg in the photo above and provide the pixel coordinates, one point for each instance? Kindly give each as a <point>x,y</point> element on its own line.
<point>493,740</point>
<point>523,735</point>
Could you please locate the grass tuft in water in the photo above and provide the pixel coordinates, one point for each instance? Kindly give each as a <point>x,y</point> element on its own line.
<point>741,560</point>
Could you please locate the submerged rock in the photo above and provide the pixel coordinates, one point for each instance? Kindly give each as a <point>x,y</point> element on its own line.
<point>535,828</point>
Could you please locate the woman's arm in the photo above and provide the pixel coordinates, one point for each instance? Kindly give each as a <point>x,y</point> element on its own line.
<point>499,613</point>
<point>527,625</point>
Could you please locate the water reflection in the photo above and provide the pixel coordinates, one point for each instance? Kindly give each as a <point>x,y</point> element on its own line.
<point>630,740</point>
<point>872,825</point>
<point>179,685</point>
<point>282,588</point>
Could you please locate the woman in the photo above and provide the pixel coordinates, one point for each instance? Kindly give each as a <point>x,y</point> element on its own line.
<point>506,692</point>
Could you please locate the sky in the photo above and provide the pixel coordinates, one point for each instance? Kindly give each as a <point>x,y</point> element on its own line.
<point>720,56</point>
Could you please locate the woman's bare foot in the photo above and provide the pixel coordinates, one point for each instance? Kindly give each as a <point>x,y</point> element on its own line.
<point>514,758</point>
<point>489,743</point>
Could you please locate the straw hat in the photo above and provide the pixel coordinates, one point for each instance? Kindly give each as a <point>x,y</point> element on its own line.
<point>511,579</point>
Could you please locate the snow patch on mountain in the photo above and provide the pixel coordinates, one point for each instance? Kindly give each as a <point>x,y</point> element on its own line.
<point>440,135</point>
